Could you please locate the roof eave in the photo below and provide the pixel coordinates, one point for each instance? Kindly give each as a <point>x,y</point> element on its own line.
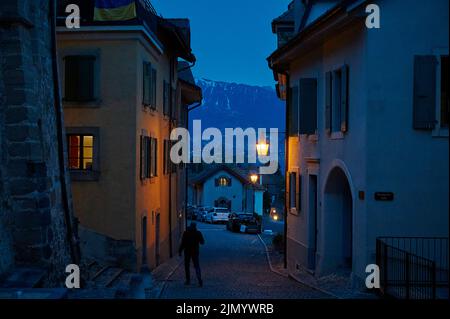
<point>280,59</point>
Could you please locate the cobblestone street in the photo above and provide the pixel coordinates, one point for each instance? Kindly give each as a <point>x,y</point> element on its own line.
<point>234,266</point>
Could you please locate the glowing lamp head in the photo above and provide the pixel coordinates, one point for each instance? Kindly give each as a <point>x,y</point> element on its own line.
<point>254,178</point>
<point>262,148</point>
<point>275,217</point>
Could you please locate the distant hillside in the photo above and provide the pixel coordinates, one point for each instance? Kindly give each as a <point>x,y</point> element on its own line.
<point>238,105</point>
<point>231,105</point>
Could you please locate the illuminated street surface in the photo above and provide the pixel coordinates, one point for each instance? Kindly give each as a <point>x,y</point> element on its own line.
<point>234,266</point>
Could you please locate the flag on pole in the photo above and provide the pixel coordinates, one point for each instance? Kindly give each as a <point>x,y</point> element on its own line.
<point>114,10</point>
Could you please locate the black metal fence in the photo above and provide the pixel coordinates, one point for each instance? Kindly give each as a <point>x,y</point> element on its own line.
<point>412,267</point>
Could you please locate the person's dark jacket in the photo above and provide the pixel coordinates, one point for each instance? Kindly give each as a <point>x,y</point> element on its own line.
<point>192,239</point>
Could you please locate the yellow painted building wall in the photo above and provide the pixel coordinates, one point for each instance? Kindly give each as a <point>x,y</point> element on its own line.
<point>116,204</point>
<point>107,205</point>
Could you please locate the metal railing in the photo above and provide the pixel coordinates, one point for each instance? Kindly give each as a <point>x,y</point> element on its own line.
<point>412,267</point>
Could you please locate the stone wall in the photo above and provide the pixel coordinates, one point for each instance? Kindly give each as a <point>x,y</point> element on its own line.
<point>34,220</point>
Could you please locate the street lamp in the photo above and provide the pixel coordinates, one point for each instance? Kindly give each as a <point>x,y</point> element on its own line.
<point>262,148</point>
<point>254,178</point>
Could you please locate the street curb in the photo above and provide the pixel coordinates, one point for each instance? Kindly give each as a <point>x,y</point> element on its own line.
<point>163,286</point>
<point>269,261</point>
<point>294,278</point>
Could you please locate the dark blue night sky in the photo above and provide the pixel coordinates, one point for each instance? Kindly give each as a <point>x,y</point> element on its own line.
<point>232,38</point>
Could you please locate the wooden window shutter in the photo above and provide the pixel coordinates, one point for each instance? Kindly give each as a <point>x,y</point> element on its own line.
<point>328,101</point>
<point>308,106</point>
<point>216,182</point>
<point>155,157</point>
<point>424,107</point>
<point>293,112</point>
<point>142,166</point>
<point>153,88</point>
<point>344,98</point>
<point>229,182</point>
<point>147,156</point>
<point>146,83</point>
<point>292,190</point>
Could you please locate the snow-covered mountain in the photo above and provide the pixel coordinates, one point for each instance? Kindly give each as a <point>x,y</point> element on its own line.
<point>232,105</point>
<point>238,105</point>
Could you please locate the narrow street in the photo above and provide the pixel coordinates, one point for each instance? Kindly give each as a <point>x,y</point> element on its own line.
<point>234,266</point>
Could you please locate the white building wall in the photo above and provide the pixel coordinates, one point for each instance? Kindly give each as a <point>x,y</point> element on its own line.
<point>381,151</point>
<point>235,192</point>
<point>412,164</point>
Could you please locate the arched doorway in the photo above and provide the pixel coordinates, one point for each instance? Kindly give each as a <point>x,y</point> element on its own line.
<point>337,223</point>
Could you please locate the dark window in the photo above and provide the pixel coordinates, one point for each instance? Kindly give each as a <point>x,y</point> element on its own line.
<point>444,91</point>
<point>81,152</point>
<point>79,78</point>
<point>293,111</point>
<point>308,106</point>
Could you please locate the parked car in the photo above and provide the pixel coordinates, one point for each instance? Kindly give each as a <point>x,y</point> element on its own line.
<point>250,221</point>
<point>235,219</point>
<point>201,213</point>
<point>217,215</point>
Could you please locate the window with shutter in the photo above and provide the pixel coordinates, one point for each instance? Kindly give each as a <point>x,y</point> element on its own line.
<point>148,156</point>
<point>308,106</point>
<point>142,166</point>
<point>153,89</point>
<point>293,111</point>
<point>344,98</point>
<point>424,108</point>
<point>166,102</point>
<point>79,78</point>
<point>146,98</point>
<point>328,101</point>
<point>336,101</point>
<point>154,155</point>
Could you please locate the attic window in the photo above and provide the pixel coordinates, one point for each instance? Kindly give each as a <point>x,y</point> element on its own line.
<point>223,181</point>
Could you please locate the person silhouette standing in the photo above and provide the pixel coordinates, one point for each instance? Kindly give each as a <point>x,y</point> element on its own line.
<point>190,244</point>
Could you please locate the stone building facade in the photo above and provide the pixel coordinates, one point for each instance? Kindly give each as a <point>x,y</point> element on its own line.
<point>36,225</point>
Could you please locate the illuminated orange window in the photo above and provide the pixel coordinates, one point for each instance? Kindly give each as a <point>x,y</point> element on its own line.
<point>81,151</point>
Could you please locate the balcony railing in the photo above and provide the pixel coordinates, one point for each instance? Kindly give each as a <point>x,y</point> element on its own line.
<point>145,14</point>
<point>412,267</point>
